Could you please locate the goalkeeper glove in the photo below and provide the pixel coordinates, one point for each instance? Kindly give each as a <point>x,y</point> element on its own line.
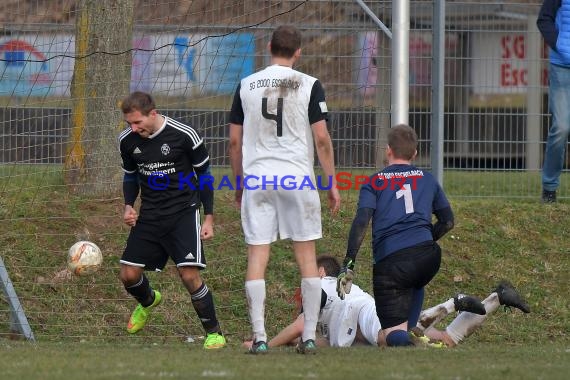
<point>344,279</point>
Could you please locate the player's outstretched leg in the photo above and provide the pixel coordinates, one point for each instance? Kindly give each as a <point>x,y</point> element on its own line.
<point>466,323</point>
<point>509,297</point>
<point>471,304</point>
<point>460,302</point>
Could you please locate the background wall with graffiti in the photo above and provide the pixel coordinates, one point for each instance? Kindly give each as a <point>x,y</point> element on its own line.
<point>176,64</point>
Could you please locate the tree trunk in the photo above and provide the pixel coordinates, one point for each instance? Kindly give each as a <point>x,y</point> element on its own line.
<point>101,78</point>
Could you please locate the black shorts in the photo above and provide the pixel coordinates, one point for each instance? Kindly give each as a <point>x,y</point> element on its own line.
<point>396,276</point>
<point>151,243</point>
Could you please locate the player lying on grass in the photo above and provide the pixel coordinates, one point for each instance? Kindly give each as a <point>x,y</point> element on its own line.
<point>351,321</point>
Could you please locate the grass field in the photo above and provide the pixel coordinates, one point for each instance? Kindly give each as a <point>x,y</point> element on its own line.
<point>178,361</point>
<point>79,322</point>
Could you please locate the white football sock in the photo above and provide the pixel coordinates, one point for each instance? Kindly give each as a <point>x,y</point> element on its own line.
<point>311,293</point>
<point>435,314</point>
<point>492,303</point>
<point>466,323</point>
<point>255,293</point>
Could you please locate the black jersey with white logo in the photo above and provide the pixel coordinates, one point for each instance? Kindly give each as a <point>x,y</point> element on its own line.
<point>164,163</point>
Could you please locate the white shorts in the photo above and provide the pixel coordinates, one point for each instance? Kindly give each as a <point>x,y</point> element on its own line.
<point>358,312</point>
<point>289,214</point>
<point>369,323</point>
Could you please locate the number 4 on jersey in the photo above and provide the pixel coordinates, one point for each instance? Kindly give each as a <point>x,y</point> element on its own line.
<point>278,117</point>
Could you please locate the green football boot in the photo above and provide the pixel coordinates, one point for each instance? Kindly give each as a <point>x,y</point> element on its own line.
<point>214,341</point>
<point>140,314</point>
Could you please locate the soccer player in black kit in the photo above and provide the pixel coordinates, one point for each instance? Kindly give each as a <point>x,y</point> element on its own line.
<point>165,159</point>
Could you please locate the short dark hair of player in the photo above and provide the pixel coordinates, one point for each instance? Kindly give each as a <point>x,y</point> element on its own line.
<point>285,41</point>
<point>403,141</point>
<point>138,101</point>
<point>330,264</point>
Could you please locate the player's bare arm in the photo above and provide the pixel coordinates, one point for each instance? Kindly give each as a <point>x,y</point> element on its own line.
<point>207,199</point>
<point>236,136</point>
<point>325,153</point>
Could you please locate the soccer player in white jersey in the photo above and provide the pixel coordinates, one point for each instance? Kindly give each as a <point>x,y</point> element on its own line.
<point>343,323</point>
<point>278,116</point>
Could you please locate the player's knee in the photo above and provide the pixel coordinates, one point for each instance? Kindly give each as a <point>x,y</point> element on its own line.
<point>129,276</point>
<point>398,338</point>
<point>190,275</point>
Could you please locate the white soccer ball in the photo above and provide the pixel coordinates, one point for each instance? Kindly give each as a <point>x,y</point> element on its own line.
<point>84,258</point>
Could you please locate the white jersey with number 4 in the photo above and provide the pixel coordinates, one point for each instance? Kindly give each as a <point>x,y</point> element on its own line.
<point>279,105</point>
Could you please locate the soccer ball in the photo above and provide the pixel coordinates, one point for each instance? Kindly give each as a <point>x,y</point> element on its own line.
<point>84,258</point>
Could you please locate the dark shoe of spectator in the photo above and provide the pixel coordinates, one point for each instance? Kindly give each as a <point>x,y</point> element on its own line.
<point>548,196</point>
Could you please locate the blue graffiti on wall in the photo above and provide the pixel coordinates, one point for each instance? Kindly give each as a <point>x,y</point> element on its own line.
<point>185,56</point>
<point>232,60</point>
<point>24,70</point>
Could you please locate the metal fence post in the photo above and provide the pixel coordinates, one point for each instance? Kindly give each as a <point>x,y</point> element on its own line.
<point>18,320</point>
<point>437,108</point>
<point>400,62</point>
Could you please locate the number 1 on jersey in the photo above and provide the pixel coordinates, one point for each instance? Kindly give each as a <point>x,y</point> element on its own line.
<point>406,192</point>
<point>278,117</point>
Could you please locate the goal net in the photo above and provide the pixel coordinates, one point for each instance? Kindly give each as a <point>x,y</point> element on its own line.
<point>60,87</point>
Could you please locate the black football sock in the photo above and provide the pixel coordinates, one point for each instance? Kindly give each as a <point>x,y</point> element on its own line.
<point>203,303</point>
<point>142,291</point>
